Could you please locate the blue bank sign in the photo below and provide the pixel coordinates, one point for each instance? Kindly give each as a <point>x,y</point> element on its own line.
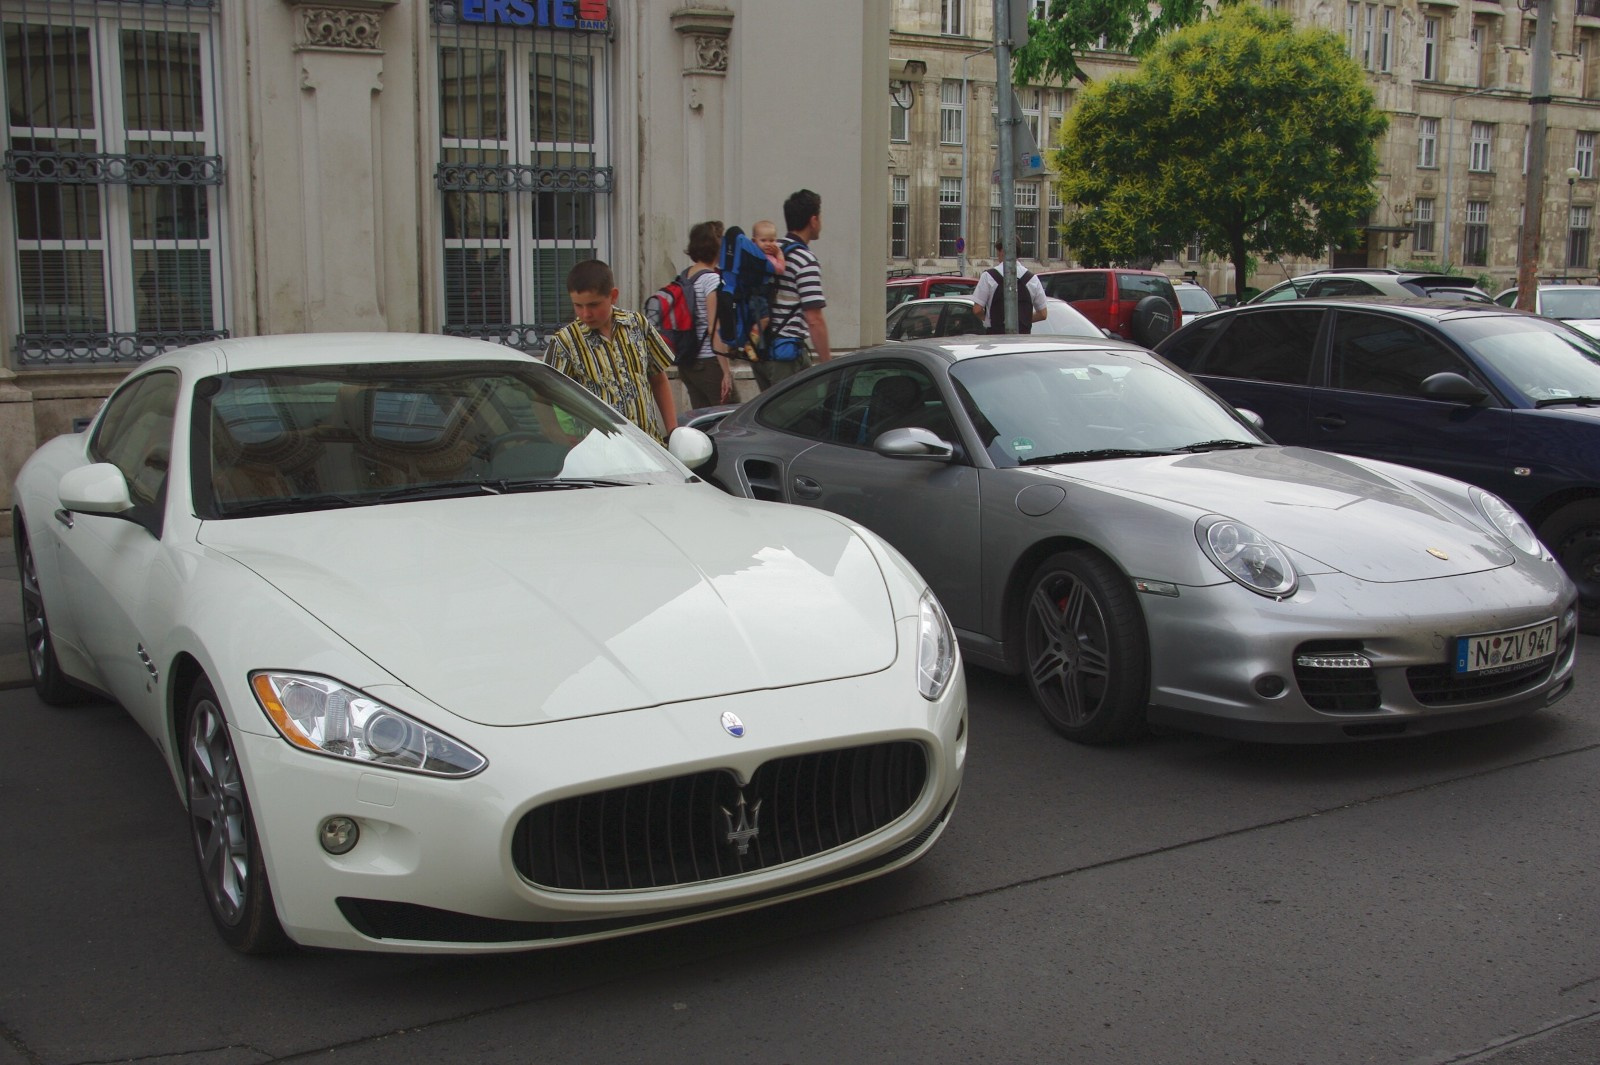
<point>549,14</point>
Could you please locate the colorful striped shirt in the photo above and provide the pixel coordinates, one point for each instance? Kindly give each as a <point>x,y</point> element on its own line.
<point>617,370</point>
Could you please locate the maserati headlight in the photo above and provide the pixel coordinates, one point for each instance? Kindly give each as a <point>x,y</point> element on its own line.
<point>322,715</point>
<point>1506,521</point>
<point>1247,556</point>
<point>936,648</point>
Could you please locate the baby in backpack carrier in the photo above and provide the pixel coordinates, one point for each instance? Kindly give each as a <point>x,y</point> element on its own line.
<point>765,234</point>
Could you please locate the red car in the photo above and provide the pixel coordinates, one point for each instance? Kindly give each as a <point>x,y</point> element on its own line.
<point>917,286</point>
<point>1136,305</point>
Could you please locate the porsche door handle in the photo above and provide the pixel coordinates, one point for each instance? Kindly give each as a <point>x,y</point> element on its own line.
<point>1330,421</point>
<point>64,517</point>
<point>806,488</point>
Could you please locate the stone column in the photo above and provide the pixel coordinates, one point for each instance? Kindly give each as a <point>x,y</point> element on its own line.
<point>338,50</point>
<point>704,32</point>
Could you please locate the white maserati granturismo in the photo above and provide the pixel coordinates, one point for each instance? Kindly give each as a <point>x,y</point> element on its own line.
<point>443,655</point>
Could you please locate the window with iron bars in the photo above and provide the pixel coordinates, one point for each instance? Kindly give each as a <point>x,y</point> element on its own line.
<point>114,177</point>
<point>524,174</point>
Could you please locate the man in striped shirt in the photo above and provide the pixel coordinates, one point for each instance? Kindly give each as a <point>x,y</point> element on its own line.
<point>797,305</point>
<point>616,354</point>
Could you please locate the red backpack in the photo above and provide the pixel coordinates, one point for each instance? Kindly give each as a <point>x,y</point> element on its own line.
<point>675,313</point>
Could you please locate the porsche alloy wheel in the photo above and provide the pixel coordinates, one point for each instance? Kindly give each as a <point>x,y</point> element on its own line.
<point>1573,536</point>
<point>49,682</point>
<point>1088,659</point>
<point>224,835</point>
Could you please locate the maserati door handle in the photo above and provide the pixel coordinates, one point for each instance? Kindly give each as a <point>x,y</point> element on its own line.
<point>1330,421</point>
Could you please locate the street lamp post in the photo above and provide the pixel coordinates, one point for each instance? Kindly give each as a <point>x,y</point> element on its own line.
<point>1566,253</point>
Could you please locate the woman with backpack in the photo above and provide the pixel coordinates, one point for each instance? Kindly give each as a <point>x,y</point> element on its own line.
<point>708,377</point>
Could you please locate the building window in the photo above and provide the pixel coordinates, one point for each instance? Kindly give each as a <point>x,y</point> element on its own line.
<point>1352,23</point>
<point>1040,9</point>
<point>1368,29</point>
<point>1578,238</point>
<point>1428,142</point>
<point>949,216</point>
<point>1477,242</point>
<point>524,173</point>
<point>1192,252</point>
<point>899,217</point>
<point>951,22</point>
<point>899,123</point>
<point>1386,41</point>
<point>1430,49</point>
<point>1027,214</point>
<point>1482,156</point>
<point>1583,157</point>
<point>1422,225</point>
<point>952,112</point>
<point>1031,101</point>
<point>1056,108</point>
<point>114,176</point>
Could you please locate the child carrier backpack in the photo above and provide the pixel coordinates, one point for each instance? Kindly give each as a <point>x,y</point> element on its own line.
<point>745,296</point>
<point>675,313</point>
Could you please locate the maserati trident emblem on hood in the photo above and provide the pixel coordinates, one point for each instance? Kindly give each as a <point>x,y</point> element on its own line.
<point>734,727</point>
<point>1436,553</point>
<point>747,828</point>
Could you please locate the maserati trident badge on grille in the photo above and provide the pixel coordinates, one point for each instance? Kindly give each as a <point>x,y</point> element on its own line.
<point>734,727</point>
<point>748,826</point>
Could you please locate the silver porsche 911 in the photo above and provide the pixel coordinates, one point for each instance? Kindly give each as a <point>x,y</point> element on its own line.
<point>1093,518</point>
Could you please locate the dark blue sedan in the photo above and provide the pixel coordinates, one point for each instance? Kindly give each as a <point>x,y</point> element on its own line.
<point>1499,398</point>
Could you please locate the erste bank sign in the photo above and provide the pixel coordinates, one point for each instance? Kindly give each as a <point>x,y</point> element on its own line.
<point>553,14</point>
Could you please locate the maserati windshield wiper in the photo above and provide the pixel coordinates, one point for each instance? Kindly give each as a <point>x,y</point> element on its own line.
<point>434,490</point>
<point>1565,401</point>
<point>292,505</point>
<point>549,484</point>
<point>1218,445</point>
<point>1089,456</point>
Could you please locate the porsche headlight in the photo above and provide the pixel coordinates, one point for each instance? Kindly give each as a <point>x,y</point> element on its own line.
<point>1505,520</point>
<point>322,715</point>
<point>936,648</point>
<point>1247,556</point>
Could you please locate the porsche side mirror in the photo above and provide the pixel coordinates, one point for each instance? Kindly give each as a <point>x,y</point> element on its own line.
<point>98,488</point>
<point>913,443</point>
<point>690,446</point>
<point>1452,388</point>
<point>1252,417</point>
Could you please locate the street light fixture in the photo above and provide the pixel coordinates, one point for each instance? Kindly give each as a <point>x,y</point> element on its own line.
<point>1566,258</point>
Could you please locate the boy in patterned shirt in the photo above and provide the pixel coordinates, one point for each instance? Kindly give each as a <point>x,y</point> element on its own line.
<point>616,354</point>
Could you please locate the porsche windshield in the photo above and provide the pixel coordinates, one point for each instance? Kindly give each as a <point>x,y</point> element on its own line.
<point>1054,406</point>
<point>320,437</point>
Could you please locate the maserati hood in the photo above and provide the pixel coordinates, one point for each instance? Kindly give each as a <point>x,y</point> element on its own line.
<point>520,609</point>
<point>1327,507</point>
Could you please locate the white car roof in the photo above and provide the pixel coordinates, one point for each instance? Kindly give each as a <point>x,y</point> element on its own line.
<point>329,349</point>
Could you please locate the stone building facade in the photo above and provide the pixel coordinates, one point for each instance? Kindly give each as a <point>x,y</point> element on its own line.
<point>1453,75</point>
<point>184,169</point>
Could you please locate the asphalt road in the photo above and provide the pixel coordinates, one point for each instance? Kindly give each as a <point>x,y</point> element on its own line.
<point>1182,900</point>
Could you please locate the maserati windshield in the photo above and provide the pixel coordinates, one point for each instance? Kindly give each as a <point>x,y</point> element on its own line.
<point>319,437</point>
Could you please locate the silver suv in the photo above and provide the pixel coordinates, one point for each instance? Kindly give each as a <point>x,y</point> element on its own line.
<point>1373,281</point>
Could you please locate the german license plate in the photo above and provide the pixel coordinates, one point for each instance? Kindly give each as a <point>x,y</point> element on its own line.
<point>1502,650</point>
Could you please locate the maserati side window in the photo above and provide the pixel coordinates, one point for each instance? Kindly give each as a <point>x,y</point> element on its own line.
<point>1266,347</point>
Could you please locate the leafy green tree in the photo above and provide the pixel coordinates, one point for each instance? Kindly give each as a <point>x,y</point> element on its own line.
<point>1073,27</point>
<point>1257,136</point>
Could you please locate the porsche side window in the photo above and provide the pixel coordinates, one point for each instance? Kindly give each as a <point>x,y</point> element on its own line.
<point>919,322</point>
<point>806,410</point>
<point>890,396</point>
<point>1266,347</point>
<point>962,319</point>
<point>1372,353</point>
<point>136,436</point>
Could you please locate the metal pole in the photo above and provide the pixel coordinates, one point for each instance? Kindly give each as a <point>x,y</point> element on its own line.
<point>1008,162</point>
<point>966,139</point>
<point>1533,198</point>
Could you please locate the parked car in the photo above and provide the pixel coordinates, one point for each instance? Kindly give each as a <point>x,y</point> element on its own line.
<point>1373,281</point>
<point>1094,520</point>
<point>1137,305</point>
<point>922,286</point>
<point>1577,305</point>
<point>1500,398</point>
<point>1194,300</point>
<point>444,655</point>
<point>953,316</point>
